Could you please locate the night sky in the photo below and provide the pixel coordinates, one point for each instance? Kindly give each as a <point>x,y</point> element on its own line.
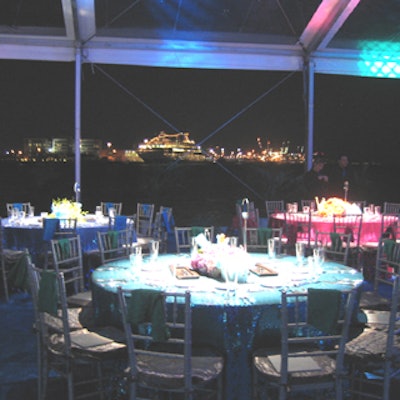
<point>124,104</point>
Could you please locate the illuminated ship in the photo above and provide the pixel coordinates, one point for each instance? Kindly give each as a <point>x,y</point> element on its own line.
<point>170,146</point>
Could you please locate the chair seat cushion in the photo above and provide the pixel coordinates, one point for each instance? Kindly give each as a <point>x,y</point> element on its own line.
<point>373,301</point>
<point>99,343</point>
<point>55,323</point>
<point>81,299</point>
<point>265,365</point>
<point>166,372</point>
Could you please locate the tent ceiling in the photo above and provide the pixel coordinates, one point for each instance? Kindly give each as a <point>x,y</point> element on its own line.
<point>350,37</point>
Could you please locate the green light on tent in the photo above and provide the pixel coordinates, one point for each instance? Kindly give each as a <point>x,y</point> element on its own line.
<point>380,59</point>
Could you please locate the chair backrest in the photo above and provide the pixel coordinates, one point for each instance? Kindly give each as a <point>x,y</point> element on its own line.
<point>115,244</point>
<point>390,226</point>
<point>183,238</point>
<point>298,227</point>
<point>253,217</point>
<point>274,206</point>
<point>24,207</point>
<point>67,227</point>
<point>168,319</point>
<point>50,227</point>
<point>121,222</point>
<point>387,262</point>
<point>106,205</point>
<point>163,225</point>
<point>257,238</point>
<point>390,370</point>
<point>208,231</point>
<point>349,224</point>
<point>67,257</point>
<point>336,246</point>
<point>316,321</point>
<point>144,219</point>
<point>391,208</point>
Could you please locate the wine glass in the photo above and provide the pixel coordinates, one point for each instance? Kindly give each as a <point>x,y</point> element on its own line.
<point>300,247</point>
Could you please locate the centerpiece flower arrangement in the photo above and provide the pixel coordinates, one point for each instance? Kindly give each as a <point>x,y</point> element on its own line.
<point>214,259</point>
<point>336,206</point>
<point>64,208</point>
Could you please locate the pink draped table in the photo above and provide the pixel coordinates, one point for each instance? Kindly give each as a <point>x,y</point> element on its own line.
<point>370,228</point>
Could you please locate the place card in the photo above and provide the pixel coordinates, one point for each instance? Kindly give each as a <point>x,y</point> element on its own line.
<point>184,272</point>
<point>262,270</point>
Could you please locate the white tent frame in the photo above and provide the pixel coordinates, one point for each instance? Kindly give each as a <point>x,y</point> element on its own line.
<point>82,44</point>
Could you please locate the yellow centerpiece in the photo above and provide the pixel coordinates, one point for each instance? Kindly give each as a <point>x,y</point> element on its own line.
<point>336,206</point>
<point>64,208</point>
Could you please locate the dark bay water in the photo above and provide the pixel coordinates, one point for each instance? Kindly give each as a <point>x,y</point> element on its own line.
<point>203,193</point>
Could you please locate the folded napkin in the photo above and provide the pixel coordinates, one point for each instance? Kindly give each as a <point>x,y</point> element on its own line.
<point>336,241</point>
<point>168,221</point>
<point>388,247</point>
<point>50,227</point>
<point>324,309</point>
<point>120,222</point>
<point>109,205</point>
<point>18,275</point>
<point>196,230</point>
<point>17,206</point>
<point>48,293</point>
<point>147,305</point>
<point>112,239</point>
<point>263,235</point>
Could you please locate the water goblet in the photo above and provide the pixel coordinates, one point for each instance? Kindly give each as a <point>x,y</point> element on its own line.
<point>99,212</point>
<point>230,274</point>
<point>271,248</point>
<point>136,256</point>
<point>232,241</point>
<point>300,247</point>
<point>154,250</point>
<point>318,257</point>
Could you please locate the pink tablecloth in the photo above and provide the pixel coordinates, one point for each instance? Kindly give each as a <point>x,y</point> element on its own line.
<point>370,228</point>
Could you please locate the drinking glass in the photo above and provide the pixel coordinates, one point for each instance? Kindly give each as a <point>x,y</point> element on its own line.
<point>300,247</point>
<point>111,212</point>
<point>31,211</point>
<point>136,257</point>
<point>99,212</point>
<point>271,248</point>
<point>232,241</point>
<point>306,209</point>
<point>231,278</point>
<point>154,249</point>
<point>318,257</point>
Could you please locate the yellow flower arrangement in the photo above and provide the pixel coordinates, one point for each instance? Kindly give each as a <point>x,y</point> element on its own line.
<point>64,208</point>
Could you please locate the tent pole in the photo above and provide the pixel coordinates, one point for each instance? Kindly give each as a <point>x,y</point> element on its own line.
<point>78,74</point>
<point>309,90</point>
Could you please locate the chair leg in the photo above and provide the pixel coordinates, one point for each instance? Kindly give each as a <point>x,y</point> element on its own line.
<point>39,367</point>
<point>70,383</point>
<point>4,278</point>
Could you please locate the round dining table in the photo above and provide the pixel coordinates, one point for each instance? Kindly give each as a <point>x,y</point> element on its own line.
<point>234,319</point>
<point>27,233</point>
<point>370,228</point>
